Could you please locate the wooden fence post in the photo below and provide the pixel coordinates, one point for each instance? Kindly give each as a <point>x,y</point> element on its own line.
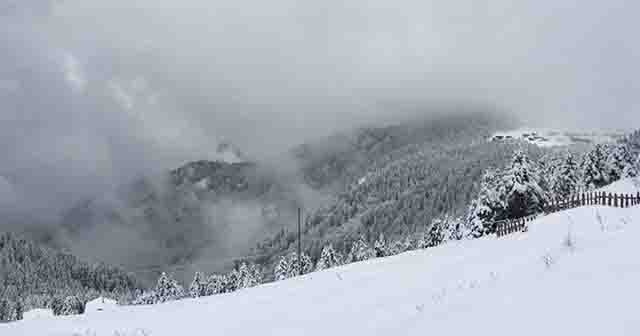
<point>615,200</point>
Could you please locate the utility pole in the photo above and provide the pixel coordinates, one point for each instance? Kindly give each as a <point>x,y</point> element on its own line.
<point>299,243</point>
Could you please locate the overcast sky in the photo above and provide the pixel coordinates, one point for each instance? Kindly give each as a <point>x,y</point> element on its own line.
<point>94,92</point>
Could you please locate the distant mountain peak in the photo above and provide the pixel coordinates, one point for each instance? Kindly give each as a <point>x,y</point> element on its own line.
<point>229,153</point>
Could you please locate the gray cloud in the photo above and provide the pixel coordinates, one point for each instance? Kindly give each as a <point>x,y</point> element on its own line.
<point>95,92</point>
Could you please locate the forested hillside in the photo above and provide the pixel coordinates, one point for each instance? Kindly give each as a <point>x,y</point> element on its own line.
<point>334,162</point>
<point>32,276</point>
<point>394,180</point>
<point>400,196</point>
<point>202,210</point>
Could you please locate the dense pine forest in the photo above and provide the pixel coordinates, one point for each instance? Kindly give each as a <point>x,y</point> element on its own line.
<point>33,276</point>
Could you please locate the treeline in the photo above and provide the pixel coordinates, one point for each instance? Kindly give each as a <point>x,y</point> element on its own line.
<point>248,275</point>
<point>33,276</point>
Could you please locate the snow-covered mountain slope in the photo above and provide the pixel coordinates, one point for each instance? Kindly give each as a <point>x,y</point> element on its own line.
<point>554,138</point>
<point>574,273</point>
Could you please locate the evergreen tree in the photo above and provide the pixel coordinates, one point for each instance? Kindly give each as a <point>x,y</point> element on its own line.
<point>56,305</point>
<point>248,276</point>
<point>402,245</point>
<point>488,206</point>
<point>361,250</point>
<point>380,247</point>
<point>328,258</point>
<point>632,170</point>
<point>72,306</point>
<point>4,309</point>
<point>167,289</point>
<point>289,266</point>
<point>145,298</point>
<point>303,265</point>
<point>421,241</point>
<point>565,179</point>
<point>283,269</point>
<point>594,170</point>
<point>438,233</point>
<point>232,281</point>
<point>198,287</point>
<point>523,194</point>
<point>215,284</point>
<point>621,163</point>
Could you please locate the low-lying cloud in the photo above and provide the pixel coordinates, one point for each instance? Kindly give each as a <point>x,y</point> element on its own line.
<point>93,93</point>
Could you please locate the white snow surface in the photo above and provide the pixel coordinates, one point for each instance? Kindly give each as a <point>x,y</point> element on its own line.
<point>100,305</point>
<point>624,186</point>
<point>532,283</point>
<point>38,313</point>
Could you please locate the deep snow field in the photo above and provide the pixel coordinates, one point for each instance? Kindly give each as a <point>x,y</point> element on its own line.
<point>574,273</point>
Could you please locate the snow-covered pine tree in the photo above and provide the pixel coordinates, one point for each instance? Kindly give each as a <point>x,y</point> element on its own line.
<point>145,298</point>
<point>215,284</point>
<point>5,309</point>
<point>421,240</point>
<point>232,281</point>
<point>487,207</point>
<point>548,166</point>
<point>361,250</point>
<point>328,258</point>
<point>283,269</point>
<point>380,247</point>
<point>289,266</point>
<point>167,289</point>
<point>72,306</point>
<point>257,276</point>
<point>594,170</point>
<point>633,170</point>
<point>348,257</point>
<point>565,179</point>
<point>620,162</point>
<point>198,286</point>
<point>303,265</point>
<point>440,232</point>
<point>248,276</point>
<point>522,193</point>
<point>404,245</point>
